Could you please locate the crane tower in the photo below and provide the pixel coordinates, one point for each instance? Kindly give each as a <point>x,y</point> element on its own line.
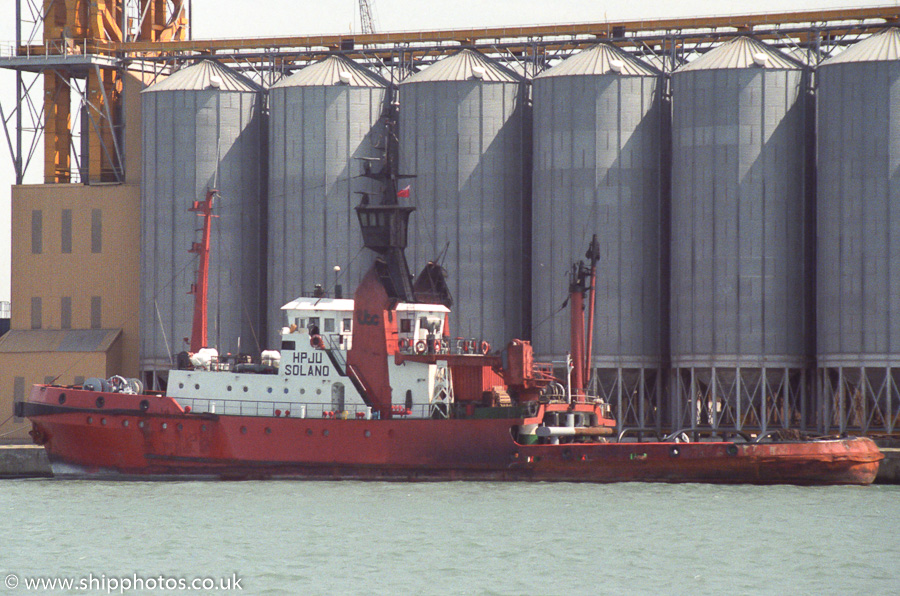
<point>366,20</point>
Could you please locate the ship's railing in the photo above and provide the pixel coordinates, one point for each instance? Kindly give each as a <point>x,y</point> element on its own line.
<point>235,407</point>
<point>444,345</point>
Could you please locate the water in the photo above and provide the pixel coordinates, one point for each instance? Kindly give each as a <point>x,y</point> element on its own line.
<point>456,537</point>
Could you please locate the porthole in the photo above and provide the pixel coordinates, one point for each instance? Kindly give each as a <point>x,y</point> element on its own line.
<point>125,423</point>
<point>100,401</point>
<point>268,390</point>
<point>90,419</point>
<point>302,391</point>
<point>367,434</point>
<point>103,421</point>
<point>243,430</point>
<point>62,398</point>
<point>144,405</point>
<point>181,385</point>
<point>142,424</point>
<point>164,426</point>
<point>180,426</point>
<point>286,390</point>
<point>229,388</point>
<point>245,389</point>
<point>268,431</point>
<point>308,431</point>
<point>318,392</point>
<point>325,433</point>
<point>203,427</point>
<point>674,451</point>
<point>196,385</point>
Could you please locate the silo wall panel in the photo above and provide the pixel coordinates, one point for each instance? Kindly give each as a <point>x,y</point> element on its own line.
<point>464,143</point>
<point>194,140</point>
<point>317,134</point>
<point>596,170</point>
<point>858,258</point>
<point>738,274</point>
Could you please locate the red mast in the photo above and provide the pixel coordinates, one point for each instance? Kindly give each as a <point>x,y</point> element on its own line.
<point>592,255</point>
<point>200,289</point>
<point>582,341</point>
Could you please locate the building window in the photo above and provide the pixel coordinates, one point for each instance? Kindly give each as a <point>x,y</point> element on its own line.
<point>18,393</point>
<point>95,313</point>
<point>65,312</point>
<point>35,312</point>
<point>66,242</point>
<point>96,231</point>
<point>37,232</point>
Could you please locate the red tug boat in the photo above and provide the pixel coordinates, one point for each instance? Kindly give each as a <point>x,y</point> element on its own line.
<point>374,388</point>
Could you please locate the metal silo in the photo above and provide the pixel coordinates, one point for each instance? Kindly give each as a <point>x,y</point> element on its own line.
<point>201,130</point>
<point>739,276</point>
<point>462,136</point>
<point>322,120</point>
<point>858,242</point>
<point>596,169</point>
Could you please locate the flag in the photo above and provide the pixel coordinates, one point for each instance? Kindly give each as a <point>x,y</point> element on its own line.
<point>403,193</point>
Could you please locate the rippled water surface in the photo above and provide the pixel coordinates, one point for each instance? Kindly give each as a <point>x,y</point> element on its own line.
<point>457,537</point>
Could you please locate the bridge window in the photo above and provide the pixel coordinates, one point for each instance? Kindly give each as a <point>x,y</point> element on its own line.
<point>329,325</point>
<point>313,325</point>
<point>347,325</point>
<point>405,326</point>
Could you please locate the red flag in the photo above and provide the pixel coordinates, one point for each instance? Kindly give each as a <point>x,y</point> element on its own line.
<point>404,193</point>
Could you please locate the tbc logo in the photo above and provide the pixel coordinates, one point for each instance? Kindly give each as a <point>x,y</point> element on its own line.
<point>365,318</point>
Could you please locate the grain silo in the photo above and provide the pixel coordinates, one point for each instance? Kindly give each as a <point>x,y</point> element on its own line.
<point>201,129</point>
<point>596,170</point>
<point>462,136</point>
<point>858,255</point>
<point>739,275</point>
<point>322,121</point>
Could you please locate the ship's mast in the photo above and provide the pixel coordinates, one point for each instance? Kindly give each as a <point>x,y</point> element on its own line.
<point>200,289</point>
<point>583,280</point>
<point>384,225</point>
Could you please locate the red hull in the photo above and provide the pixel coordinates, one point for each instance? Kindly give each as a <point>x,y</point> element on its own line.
<point>160,440</point>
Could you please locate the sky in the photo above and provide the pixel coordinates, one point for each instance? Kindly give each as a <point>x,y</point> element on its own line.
<point>243,18</point>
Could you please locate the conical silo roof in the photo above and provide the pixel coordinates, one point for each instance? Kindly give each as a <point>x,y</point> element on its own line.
<point>884,46</point>
<point>463,66</point>
<point>742,52</point>
<point>333,70</point>
<point>601,59</point>
<point>200,76</point>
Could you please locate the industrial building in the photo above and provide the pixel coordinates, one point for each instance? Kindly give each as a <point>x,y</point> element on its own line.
<point>738,171</point>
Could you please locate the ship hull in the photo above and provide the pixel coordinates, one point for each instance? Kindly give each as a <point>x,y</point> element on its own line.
<point>133,436</point>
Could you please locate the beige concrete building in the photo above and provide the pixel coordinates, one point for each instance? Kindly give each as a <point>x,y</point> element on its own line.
<point>75,279</point>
